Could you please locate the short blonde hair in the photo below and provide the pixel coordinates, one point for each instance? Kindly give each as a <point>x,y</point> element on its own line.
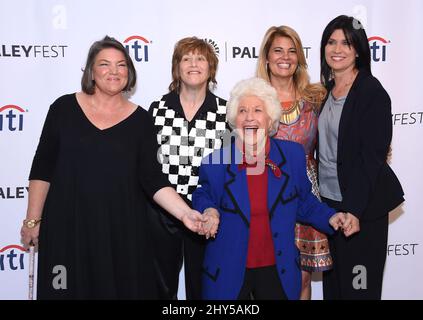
<point>261,89</point>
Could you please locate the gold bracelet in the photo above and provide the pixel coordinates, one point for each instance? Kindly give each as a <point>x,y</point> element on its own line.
<point>31,223</point>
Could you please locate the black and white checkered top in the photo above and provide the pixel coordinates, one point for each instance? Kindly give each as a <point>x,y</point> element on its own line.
<point>183,144</point>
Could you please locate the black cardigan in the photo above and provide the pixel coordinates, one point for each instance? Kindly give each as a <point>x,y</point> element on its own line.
<point>369,187</point>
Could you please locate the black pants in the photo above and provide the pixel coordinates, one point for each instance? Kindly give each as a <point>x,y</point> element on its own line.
<point>262,284</point>
<point>358,261</point>
<point>173,245</point>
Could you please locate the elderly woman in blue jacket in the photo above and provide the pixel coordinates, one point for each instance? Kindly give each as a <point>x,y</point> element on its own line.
<point>253,191</point>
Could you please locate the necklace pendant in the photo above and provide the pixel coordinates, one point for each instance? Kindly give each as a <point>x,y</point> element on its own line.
<point>292,114</point>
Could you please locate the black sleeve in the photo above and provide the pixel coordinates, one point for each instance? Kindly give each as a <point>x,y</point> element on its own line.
<point>151,176</point>
<point>153,105</point>
<point>375,137</point>
<point>44,161</point>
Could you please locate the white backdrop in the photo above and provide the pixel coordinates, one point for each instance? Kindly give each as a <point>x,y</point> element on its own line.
<point>43,46</point>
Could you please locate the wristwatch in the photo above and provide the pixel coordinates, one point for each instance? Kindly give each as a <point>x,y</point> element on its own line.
<point>31,223</point>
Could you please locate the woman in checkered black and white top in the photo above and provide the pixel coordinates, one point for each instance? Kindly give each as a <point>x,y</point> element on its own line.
<point>190,122</point>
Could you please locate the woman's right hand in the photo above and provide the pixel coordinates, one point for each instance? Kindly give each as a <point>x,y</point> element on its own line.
<point>351,224</point>
<point>209,227</point>
<point>29,236</point>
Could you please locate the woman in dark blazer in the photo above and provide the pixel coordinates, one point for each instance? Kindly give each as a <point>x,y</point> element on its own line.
<point>355,132</point>
<point>256,188</point>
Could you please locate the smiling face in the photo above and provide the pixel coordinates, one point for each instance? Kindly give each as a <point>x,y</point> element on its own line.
<point>282,58</point>
<point>339,54</point>
<point>110,71</point>
<point>252,123</point>
<point>193,70</point>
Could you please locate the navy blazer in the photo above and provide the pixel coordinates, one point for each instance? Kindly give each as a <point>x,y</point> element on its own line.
<point>223,186</point>
<point>369,187</point>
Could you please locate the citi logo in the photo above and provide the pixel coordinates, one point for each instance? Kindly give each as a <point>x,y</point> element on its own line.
<point>378,48</point>
<point>11,118</point>
<point>12,258</point>
<point>137,47</point>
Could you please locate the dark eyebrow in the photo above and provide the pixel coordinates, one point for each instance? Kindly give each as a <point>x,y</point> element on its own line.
<point>105,60</point>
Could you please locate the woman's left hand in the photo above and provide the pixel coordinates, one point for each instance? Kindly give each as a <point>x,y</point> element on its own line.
<point>29,236</point>
<point>193,220</point>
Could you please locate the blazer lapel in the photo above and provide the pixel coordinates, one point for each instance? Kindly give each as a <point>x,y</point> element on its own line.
<point>236,186</point>
<point>276,186</point>
<point>345,117</point>
<point>347,110</point>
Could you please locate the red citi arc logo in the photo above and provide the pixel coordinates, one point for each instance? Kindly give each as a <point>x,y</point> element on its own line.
<point>11,260</point>
<point>11,118</point>
<point>137,47</point>
<point>378,48</point>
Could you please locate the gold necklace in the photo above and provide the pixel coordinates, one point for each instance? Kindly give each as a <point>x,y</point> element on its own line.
<point>290,115</point>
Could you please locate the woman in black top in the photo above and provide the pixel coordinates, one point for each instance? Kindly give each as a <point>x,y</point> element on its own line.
<point>94,167</point>
<point>355,132</point>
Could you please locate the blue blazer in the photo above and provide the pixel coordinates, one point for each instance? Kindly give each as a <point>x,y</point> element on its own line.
<point>224,187</point>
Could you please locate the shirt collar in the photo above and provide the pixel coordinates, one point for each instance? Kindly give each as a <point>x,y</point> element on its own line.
<point>209,104</point>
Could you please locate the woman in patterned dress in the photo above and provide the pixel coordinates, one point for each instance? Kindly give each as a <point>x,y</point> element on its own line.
<point>282,63</point>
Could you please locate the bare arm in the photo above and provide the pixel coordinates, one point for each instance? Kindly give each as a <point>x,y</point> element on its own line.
<point>38,191</point>
<point>172,202</point>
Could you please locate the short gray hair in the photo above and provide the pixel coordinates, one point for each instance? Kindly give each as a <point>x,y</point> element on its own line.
<point>261,89</point>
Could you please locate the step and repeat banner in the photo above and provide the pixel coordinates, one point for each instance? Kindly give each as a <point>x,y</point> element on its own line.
<point>44,44</point>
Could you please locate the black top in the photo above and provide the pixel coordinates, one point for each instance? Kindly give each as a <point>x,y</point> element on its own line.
<point>369,187</point>
<point>94,216</point>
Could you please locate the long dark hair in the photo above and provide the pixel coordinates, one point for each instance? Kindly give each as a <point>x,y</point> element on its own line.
<point>357,38</point>
<point>87,82</point>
